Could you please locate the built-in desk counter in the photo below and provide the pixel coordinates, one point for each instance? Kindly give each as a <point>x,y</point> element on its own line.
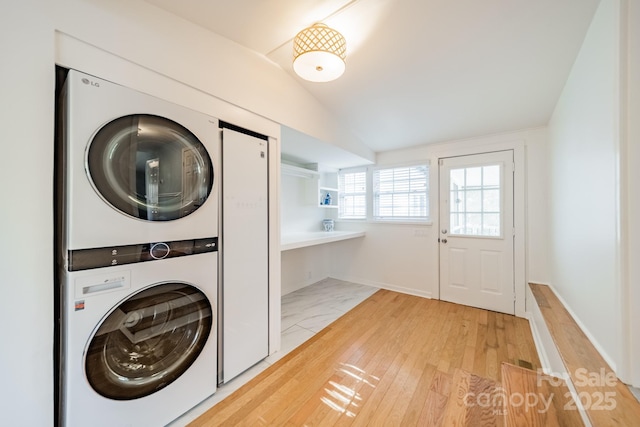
<point>311,238</point>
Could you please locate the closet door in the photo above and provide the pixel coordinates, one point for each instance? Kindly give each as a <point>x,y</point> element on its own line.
<point>245,285</point>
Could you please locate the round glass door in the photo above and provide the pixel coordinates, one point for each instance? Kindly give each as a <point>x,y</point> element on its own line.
<point>149,167</point>
<point>148,341</point>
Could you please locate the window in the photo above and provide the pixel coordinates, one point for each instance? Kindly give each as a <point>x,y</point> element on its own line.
<point>475,201</point>
<point>401,193</point>
<point>352,194</point>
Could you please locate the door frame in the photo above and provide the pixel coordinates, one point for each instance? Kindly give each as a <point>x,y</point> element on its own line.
<point>519,205</point>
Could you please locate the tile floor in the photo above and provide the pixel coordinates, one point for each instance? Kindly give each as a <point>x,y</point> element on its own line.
<point>304,313</point>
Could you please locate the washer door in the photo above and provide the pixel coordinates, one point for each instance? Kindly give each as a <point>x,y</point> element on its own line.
<point>149,167</point>
<point>148,341</point>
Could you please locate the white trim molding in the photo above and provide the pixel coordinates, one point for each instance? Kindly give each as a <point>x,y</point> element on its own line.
<point>381,285</point>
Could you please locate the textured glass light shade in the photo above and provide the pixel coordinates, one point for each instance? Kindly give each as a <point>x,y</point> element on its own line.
<point>319,53</point>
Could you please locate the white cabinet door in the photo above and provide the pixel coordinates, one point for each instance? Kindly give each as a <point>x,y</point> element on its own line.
<point>244,251</point>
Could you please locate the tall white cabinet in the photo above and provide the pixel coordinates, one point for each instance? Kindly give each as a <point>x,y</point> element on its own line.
<point>244,281</point>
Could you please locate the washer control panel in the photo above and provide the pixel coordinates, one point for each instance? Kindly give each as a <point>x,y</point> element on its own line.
<point>86,259</point>
<point>159,250</point>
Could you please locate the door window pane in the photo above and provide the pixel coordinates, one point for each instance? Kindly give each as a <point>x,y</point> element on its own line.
<point>491,224</point>
<point>473,177</point>
<point>456,178</point>
<point>475,201</point>
<point>491,176</point>
<point>491,200</point>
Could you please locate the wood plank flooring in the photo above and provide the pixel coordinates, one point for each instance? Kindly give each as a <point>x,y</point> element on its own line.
<point>548,401</point>
<point>393,360</point>
<point>607,400</point>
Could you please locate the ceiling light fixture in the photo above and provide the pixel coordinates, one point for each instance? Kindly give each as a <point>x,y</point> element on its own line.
<point>319,53</point>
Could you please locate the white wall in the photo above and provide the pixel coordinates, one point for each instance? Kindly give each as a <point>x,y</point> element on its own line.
<point>584,204</point>
<point>175,48</point>
<point>300,213</point>
<point>632,193</point>
<point>538,260</point>
<point>405,257</point>
<point>26,253</point>
<point>299,206</point>
<point>304,266</point>
<point>132,43</point>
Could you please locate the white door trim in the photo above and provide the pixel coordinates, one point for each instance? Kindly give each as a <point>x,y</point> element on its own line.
<point>519,205</point>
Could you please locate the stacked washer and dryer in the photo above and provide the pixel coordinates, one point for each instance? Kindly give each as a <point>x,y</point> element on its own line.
<point>137,257</point>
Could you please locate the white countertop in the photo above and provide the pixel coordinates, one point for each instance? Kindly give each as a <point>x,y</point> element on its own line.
<point>311,238</point>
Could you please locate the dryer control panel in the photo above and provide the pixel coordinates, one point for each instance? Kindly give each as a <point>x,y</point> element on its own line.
<point>86,259</point>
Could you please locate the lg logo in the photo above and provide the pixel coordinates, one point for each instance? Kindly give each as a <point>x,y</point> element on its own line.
<point>89,82</point>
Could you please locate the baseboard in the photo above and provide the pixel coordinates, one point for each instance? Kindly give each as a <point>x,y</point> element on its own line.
<point>307,282</point>
<point>545,365</point>
<point>548,353</point>
<point>381,285</point>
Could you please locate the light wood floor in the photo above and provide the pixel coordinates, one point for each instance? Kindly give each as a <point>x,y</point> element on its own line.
<point>393,360</point>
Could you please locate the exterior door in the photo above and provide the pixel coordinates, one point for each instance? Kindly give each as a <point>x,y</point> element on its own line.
<point>476,231</point>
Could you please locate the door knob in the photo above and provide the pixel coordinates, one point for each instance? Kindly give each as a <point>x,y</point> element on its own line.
<point>444,231</point>
<point>444,240</point>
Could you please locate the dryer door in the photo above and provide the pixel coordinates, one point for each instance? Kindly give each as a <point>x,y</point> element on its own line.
<point>148,341</point>
<point>149,167</point>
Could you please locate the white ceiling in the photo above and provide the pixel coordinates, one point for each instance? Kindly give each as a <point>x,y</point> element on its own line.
<point>420,71</point>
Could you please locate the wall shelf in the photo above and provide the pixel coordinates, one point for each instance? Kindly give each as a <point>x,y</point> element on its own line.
<point>299,172</point>
<point>318,184</point>
<point>322,193</point>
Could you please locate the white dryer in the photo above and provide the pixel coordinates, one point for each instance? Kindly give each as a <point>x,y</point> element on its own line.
<point>136,168</point>
<point>137,255</point>
<point>139,340</point>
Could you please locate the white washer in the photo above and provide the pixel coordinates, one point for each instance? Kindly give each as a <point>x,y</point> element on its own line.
<point>137,254</point>
<point>136,168</point>
<point>139,341</point>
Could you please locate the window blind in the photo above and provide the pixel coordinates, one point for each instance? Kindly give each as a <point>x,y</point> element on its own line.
<point>401,193</point>
<point>352,195</point>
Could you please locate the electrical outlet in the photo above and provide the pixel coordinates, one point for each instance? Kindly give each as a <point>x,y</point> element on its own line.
<point>420,232</point>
